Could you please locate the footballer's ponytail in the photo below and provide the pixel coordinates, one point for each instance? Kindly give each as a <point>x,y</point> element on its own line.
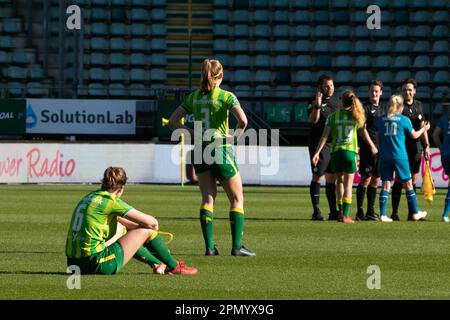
<point>211,71</point>
<point>395,104</point>
<point>353,105</point>
<point>114,178</point>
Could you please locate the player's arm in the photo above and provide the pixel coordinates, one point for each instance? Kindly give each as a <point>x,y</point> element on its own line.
<point>142,219</point>
<point>437,136</point>
<point>314,116</point>
<point>425,142</point>
<point>416,134</point>
<point>175,120</point>
<point>365,136</point>
<point>322,142</point>
<point>242,122</point>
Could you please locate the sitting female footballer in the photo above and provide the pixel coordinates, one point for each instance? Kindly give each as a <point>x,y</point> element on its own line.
<point>343,126</point>
<point>441,137</point>
<point>392,131</point>
<point>94,221</point>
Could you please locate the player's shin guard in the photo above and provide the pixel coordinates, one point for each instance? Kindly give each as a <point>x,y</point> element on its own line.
<point>371,198</point>
<point>384,196</point>
<point>143,255</point>
<point>360,192</point>
<point>314,192</point>
<point>447,204</point>
<point>207,224</point>
<point>347,202</point>
<point>413,207</point>
<point>156,243</point>
<point>396,195</point>
<point>237,226</point>
<point>330,189</point>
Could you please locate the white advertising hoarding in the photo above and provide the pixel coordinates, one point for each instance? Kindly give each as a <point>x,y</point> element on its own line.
<point>153,163</point>
<point>70,116</point>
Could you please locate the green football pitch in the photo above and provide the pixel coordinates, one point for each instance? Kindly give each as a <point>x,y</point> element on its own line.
<point>296,258</point>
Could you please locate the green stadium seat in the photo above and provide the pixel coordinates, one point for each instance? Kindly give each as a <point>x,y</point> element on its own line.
<point>399,4</point>
<point>117,90</point>
<point>14,72</point>
<point>158,45</point>
<point>302,17</point>
<point>243,91</point>
<point>421,46</point>
<point>100,43</point>
<point>401,32</point>
<point>242,76</point>
<point>419,17</point>
<point>321,17</point>
<point>224,60</point>
<point>96,58</point>
<point>344,76</point>
<point>261,16</point>
<point>6,42</point>
<point>140,30</point>
<point>422,76</point>
<point>283,92</point>
<point>158,15</point>
<point>423,92</point>
<point>119,29</point>
<point>36,89</point>
<point>343,61</point>
<point>158,75</point>
<point>340,17</point>
<point>440,46</point>
<point>339,4</point>
<point>400,75</point>
<point>440,16</point>
<point>115,44</point>
<point>158,30</point>
<point>421,62</point>
<point>359,4</point>
<point>138,75</point>
<point>262,31</point>
<point>363,76</point>
<point>98,14</point>
<point>139,14</point>
<point>261,4</point>
<point>440,61</point>
<point>303,61</point>
<point>362,46</point>
<point>159,3</point>
<point>16,89</point>
<point>98,29</point>
<point>280,4</point>
<point>438,4</point>
<point>159,59</point>
<point>402,46</point>
<point>139,44</point>
<point>220,30</point>
<point>262,61</point>
<point>281,46</point>
<point>361,32</point>
<point>118,14</point>
<point>11,26</point>
<point>19,57</point>
<point>441,93</point>
<point>220,3</point>
<point>422,31</point>
<point>119,2</point>
<point>241,30</point>
<point>343,46</point>
<point>441,76</point>
<point>440,31</point>
<point>220,16</point>
<point>341,31</point>
<point>262,90</point>
<point>263,76</point>
<point>35,73</point>
<point>322,46</point>
<point>384,76</point>
<point>138,90</point>
<point>303,76</point>
<point>240,16</point>
<point>363,62</point>
<point>282,60</point>
<point>305,93</point>
<point>383,46</point>
<point>402,17</point>
<point>281,31</point>
<point>323,61</point>
<point>240,45</point>
<point>138,59</point>
<point>280,16</point>
<point>5,57</point>
<point>383,61</point>
<point>221,45</point>
<point>321,31</point>
<point>402,62</point>
<point>241,61</point>
<point>118,59</point>
<point>97,74</point>
<point>419,4</point>
<point>302,32</point>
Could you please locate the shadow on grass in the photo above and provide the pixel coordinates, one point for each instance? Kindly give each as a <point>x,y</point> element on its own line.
<point>34,272</point>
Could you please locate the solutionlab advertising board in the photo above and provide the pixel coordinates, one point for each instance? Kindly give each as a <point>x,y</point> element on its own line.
<point>60,116</point>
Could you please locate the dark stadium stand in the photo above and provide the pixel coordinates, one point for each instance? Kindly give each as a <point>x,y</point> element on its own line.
<point>272,50</point>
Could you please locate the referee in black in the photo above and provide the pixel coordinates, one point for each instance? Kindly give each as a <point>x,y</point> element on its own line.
<point>413,110</point>
<point>368,164</point>
<point>319,109</point>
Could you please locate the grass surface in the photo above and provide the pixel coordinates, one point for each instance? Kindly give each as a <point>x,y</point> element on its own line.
<point>296,258</point>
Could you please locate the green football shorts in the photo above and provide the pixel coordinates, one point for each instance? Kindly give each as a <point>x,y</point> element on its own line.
<point>344,161</point>
<point>109,261</point>
<point>222,163</point>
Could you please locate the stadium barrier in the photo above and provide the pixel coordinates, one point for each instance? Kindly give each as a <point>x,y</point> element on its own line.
<point>156,163</point>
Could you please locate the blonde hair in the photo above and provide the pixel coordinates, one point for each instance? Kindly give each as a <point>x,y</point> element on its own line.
<point>352,104</point>
<point>211,71</point>
<point>114,178</point>
<point>395,104</point>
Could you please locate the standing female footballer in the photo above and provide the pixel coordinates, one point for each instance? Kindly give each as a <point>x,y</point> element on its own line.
<point>211,106</point>
<point>441,137</point>
<point>343,126</point>
<point>94,221</point>
<point>392,131</point>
